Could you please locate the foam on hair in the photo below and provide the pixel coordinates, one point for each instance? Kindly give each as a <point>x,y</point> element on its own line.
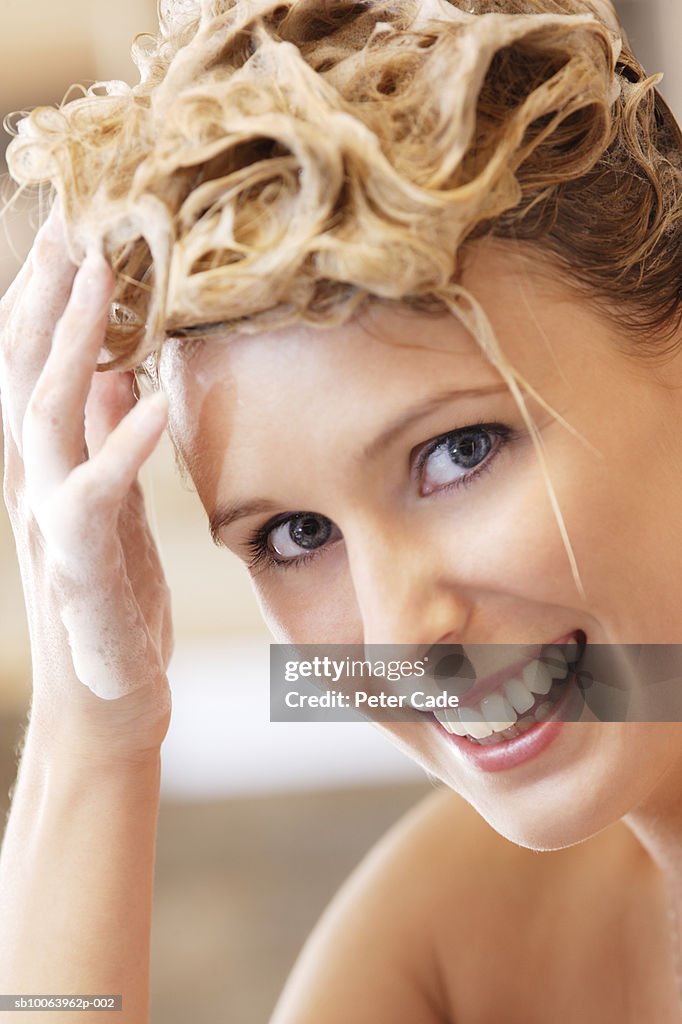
<point>292,161</point>
<point>281,161</point>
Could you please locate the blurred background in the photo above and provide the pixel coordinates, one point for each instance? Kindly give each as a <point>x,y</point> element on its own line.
<point>260,821</point>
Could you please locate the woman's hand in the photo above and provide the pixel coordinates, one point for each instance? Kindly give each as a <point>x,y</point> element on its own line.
<point>74,440</point>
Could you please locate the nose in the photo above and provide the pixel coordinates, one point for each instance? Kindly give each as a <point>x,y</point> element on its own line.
<point>403,593</point>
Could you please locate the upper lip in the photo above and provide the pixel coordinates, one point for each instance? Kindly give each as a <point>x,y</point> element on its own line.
<point>487,685</point>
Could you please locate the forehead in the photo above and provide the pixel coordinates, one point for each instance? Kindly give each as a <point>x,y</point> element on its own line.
<point>526,306</point>
<point>243,392</point>
<point>232,397</point>
<point>373,350</point>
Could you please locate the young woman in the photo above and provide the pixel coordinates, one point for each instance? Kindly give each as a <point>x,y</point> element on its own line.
<point>406,276</point>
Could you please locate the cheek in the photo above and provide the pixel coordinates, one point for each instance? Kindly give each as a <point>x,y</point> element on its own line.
<point>306,606</point>
<point>517,542</point>
<point>626,543</point>
<point>502,539</point>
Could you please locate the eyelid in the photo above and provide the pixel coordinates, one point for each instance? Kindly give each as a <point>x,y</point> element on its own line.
<point>505,434</point>
<point>421,452</point>
<point>257,543</point>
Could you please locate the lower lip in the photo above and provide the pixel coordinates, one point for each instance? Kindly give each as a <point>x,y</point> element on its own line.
<point>523,748</point>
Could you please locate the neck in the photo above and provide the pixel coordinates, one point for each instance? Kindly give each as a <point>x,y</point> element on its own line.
<point>657,823</point>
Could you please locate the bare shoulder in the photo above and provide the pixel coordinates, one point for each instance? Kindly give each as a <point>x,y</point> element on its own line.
<point>412,933</point>
<point>444,842</point>
<point>487,903</point>
<point>374,954</point>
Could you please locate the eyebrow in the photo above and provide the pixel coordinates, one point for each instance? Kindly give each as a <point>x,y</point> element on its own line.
<point>225,515</point>
<point>418,412</point>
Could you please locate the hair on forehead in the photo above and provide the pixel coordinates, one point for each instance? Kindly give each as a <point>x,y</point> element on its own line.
<point>286,162</point>
<point>283,161</point>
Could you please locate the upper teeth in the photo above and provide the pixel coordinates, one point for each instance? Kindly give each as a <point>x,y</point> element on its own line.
<point>501,709</point>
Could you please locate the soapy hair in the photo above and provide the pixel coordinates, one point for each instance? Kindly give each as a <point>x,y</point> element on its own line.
<point>282,162</point>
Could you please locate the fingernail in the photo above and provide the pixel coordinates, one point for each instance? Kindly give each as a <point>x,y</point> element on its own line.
<point>93,280</point>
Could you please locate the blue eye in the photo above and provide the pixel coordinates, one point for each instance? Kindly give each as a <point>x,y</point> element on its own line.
<point>451,460</point>
<point>457,457</point>
<point>293,539</point>
<point>302,532</point>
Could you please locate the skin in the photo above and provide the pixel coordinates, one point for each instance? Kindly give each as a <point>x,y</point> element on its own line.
<point>481,565</point>
<point>76,864</point>
<point>410,564</point>
<point>604,799</point>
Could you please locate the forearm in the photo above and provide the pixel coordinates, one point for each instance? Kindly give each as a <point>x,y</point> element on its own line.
<point>76,880</point>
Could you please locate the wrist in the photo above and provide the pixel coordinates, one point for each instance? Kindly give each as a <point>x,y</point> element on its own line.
<point>89,730</point>
<point>54,743</point>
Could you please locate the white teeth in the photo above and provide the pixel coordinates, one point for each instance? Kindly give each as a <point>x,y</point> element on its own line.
<point>518,695</point>
<point>474,723</point>
<point>538,677</point>
<point>543,711</point>
<point>497,715</point>
<point>498,712</point>
<point>449,719</point>
<point>442,718</point>
<point>454,723</point>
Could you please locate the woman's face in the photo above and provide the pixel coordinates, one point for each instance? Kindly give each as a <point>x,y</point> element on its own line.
<point>419,532</point>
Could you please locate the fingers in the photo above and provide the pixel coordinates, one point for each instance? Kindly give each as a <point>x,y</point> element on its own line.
<point>30,311</point>
<point>82,513</point>
<point>53,439</point>
<point>113,471</point>
<point>111,396</point>
<point>78,441</point>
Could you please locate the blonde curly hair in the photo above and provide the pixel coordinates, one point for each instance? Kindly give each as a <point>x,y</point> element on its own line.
<point>293,161</point>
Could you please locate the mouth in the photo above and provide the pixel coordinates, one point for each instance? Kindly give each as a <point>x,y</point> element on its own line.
<point>522,700</point>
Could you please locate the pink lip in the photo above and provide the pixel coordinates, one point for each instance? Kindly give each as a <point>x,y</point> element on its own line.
<point>499,757</point>
<point>482,687</point>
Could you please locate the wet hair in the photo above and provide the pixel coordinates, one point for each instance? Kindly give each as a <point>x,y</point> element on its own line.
<point>297,161</point>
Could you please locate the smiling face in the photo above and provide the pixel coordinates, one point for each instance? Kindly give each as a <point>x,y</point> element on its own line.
<point>381,483</point>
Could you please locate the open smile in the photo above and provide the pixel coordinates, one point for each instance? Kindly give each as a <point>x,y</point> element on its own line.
<point>503,728</point>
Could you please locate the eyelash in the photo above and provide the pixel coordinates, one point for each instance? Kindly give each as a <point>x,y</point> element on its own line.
<point>257,543</point>
<point>261,554</point>
<point>501,431</point>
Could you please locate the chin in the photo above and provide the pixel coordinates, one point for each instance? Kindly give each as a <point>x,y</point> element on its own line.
<point>544,833</point>
<point>556,816</point>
